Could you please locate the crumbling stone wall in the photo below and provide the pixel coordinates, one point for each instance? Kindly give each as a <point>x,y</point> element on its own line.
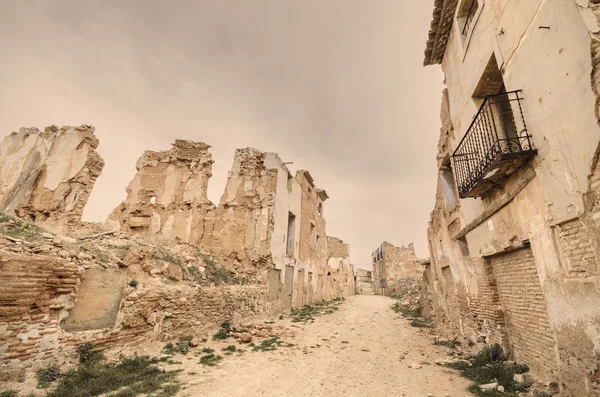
<point>47,176</point>
<point>364,281</point>
<point>42,285</point>
<point>340,275</point>
<point>167,198</point>
<point>391,265</point>
<point>244,219</point>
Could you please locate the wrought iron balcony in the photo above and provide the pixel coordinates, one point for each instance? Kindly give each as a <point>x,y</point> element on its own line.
<point>495,145</point>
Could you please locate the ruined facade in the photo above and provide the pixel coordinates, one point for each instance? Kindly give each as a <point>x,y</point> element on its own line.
<point>340,272</point>
<point>47,176</point>
<point>167,198</point>
<point>513,236</point>
<point>167,262</point>
<point>364,281</point>
<point>392,266</point>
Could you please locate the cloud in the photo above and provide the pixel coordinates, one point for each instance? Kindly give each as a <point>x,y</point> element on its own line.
<point>336,86</point>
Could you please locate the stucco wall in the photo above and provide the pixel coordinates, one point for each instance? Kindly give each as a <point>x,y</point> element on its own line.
<point>544,48</point>
<point>47,176</point>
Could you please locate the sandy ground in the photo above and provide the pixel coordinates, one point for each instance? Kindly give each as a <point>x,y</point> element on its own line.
<point>363,349</point>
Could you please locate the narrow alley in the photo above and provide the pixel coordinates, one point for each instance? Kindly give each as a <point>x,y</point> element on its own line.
<point>362,349</point>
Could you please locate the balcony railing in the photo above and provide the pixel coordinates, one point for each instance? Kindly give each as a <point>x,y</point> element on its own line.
<point>495,145</point>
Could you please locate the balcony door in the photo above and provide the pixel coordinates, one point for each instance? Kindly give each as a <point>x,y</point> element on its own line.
<point>497,103</point>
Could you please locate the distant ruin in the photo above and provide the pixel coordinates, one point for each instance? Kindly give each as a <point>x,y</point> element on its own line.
<point>394,268</point>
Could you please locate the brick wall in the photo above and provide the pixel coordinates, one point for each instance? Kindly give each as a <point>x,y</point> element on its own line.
<point>451,299</point>
<point>37,292</point>
<point>576,248</point>
<point>531,338</point>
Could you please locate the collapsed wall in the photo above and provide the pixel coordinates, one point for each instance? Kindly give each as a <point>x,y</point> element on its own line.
<point>394,268</point>
<point>341,272</point>
<point>263,250</point>
<point>47,176</point>
<point>364,281</point>
<point>244,219</point>
<point>112,292</point>
<point>167,198</point>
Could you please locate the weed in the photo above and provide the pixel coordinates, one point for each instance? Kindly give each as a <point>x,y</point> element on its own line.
<point>88,355</point>
<point>8,393</point>
<point>215,273</point>
<point>453,343</point>
<point>130,376</point>
<point>182,347</point>
<point>281,317</point>
<point>414,315</point>
<point>230,348</point>
<point>207,350</point>
<point>541,394</point>
<point>46,376</point>
<point>421,323</point>
<point>268,344</point>
<point>173,278</point>
<point>17,228</point>
<point>489,365</point>
<point>133,283</point>
<point>167,257</point>
<point>210,359</point>
<point>307,313</point>
<point>224,332</point>
<point>169,390</point>
<point>204,340</point>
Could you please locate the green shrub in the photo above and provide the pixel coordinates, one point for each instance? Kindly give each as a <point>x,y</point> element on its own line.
<point>131,377</point>
<point>46,376</point>
<point>210,359</point>
<point>489,365</point>
<point>224,332</point>
<point>87,354</point>
<point>181,347</point>
<point>133,283</point>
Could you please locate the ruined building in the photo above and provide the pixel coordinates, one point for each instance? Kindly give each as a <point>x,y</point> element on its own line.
<point>394,267</point>
<point>168,198</point>
<point>364,281</point>
<point>167,262</point>
<point>39,183</point>
<point>514,235</point>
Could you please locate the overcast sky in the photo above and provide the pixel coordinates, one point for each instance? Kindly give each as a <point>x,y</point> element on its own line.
<point>335,86</point>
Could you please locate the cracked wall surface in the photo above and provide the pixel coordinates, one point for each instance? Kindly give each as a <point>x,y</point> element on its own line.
<point>392,266</point>
<point>342,271</point>
<point>47,176</point>
<point>167,261</point>
<point>364,281</point>
<point>543,217</point>
<point>167,198</point>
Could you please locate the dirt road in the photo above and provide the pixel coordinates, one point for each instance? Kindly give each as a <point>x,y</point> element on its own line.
<point>363,349</point>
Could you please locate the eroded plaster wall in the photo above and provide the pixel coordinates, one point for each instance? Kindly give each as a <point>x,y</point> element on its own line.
<point>391,265</point>
<point>547,49</point>
<point>167,197</point>
<point>47,176</point>
<point>340,271</point>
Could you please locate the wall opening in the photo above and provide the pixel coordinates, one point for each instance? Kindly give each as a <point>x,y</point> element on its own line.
<point>464,247</point>
<point>291,234</point>
<point>313,235</point>
<point>466,16</point>
<point>449,187</point>
<point>491,86</point>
